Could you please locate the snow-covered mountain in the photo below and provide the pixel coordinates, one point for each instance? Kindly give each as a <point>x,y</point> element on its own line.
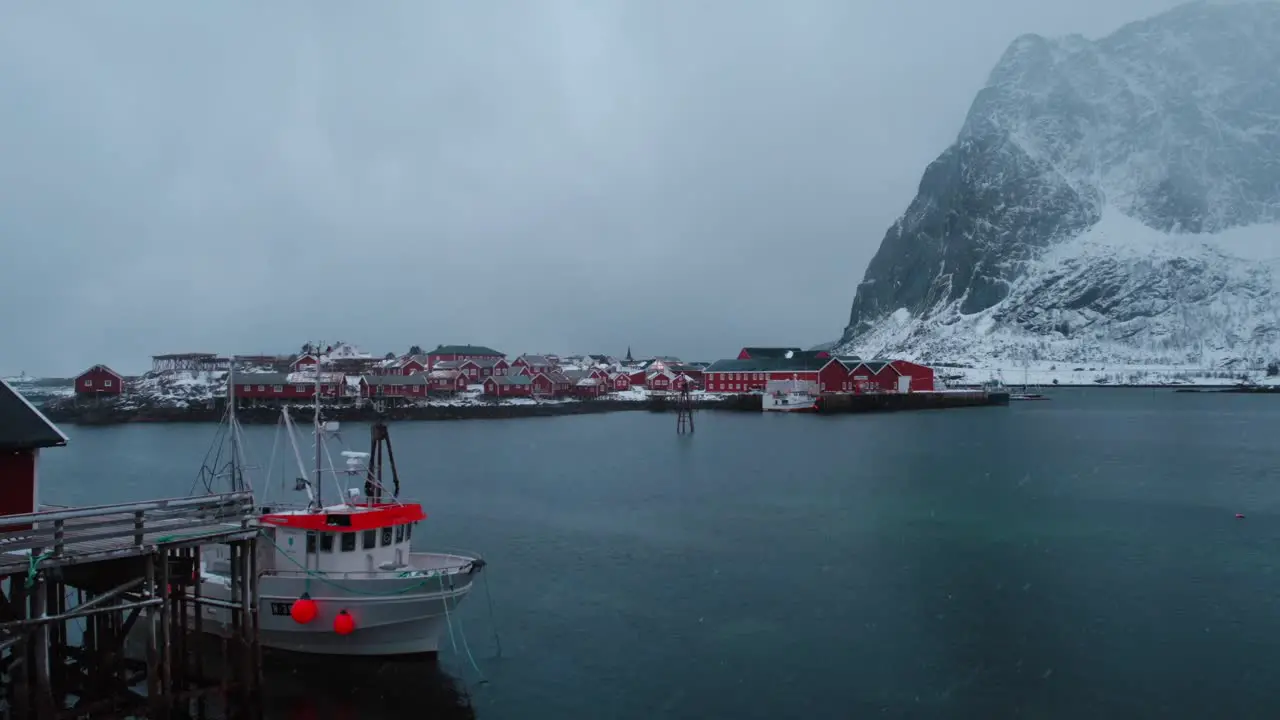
<point>1114,201</point>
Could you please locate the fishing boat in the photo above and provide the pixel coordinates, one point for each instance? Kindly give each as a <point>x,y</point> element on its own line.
<point>791,395</point>
<point>339,577</point>
<point>1025,393</point>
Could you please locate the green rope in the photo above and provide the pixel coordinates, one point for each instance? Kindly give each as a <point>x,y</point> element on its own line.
<point>33,569</point>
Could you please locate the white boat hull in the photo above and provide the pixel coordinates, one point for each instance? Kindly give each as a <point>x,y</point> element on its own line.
<point>393,614</point>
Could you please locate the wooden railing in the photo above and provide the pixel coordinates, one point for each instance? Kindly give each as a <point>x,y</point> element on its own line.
<point>64,533</point>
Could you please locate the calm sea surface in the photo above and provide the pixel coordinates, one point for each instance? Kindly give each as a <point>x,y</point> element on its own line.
<point>1077,558</point>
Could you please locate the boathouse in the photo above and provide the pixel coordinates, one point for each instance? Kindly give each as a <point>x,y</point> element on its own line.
<point>97,381</point>
<point>24,432</point>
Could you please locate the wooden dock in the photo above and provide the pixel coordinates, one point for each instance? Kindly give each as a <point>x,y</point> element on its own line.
<point>82,588</point>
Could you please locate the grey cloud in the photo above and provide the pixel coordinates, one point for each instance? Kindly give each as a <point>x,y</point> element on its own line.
<point>684,178</point>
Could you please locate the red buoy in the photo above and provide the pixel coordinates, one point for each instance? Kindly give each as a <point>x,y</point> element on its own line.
<point>304,610</point>
<point>343,624</point>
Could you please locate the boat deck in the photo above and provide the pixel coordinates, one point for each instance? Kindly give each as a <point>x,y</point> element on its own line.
<point>59,537</point>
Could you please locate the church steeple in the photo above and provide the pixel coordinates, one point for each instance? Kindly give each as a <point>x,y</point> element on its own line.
<point>629,354</point>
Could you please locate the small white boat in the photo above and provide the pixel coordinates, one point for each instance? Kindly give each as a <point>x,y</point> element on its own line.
<point>791,395</point>
<point>341,578</point>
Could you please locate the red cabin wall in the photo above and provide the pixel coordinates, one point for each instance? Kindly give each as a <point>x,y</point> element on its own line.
<point>17,485</point>
<point>922,377</point>
<point>833,378</point>
<point>98,377</point>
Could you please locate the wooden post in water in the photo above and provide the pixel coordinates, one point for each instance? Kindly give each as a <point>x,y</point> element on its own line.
<point>684,411</point>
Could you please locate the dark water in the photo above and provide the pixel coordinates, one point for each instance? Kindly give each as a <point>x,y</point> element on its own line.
<point>1067,559</point>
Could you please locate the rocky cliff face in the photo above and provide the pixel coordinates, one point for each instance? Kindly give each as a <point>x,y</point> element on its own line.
<point>1115,199</point>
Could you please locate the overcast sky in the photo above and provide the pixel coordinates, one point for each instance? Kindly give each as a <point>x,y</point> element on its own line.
<point>680,177</point>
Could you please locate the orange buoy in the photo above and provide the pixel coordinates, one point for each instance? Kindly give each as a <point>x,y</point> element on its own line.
<point>304,610</point>
<point>343,624</point>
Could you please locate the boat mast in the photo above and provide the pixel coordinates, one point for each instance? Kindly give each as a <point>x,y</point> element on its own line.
<point>236,484</point>
<point>316,422</point>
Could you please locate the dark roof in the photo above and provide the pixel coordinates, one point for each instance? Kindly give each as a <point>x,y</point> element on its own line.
<point>536,360</point>
<point>447,365</point>
<point>804,362</point>
<point>465,350</point>
<point>759,353</point>
<point>22,426</point>
<point>415,379</point>
<point>243,379</point>
<point>510,379</point>
<point>484,362</point>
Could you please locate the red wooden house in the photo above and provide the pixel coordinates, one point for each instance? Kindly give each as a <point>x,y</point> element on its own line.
<point>834,377</point>
<point>660,381</point>
<point>589,387</point>
<point>542,385</point>
<point>404,365</point>
<point>561,384</point>
<point>304,362</point>
<point>637,377</point>
<point>508,386</point>
<point>533,364</point>
<point>477,369</point>
<point>447,381</point>
<point>874,376</point>
<point>620,382</point>
<point>24,432</point>
<point>99,380</point>
<point>460,352</point>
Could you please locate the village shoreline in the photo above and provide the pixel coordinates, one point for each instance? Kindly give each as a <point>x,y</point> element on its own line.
<point>87,415</point>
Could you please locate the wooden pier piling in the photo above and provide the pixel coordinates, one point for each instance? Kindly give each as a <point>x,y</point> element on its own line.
<point>97,603</point>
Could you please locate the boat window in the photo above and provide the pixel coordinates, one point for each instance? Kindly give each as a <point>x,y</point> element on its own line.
<point>386,536</point>
<point>348,542</point>
<point>370,539</point>
<point>311,542</point>
<point>408,531</point>
<point>399,533</point>
<point>326,542</point>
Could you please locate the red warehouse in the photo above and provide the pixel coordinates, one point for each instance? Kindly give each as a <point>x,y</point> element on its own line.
<point>99,380</point>
<point>396,388</point>
<point>287,387</point>
<point>460,352</point>
<point>24,432</point>
<point>508,386</point>
<point>728,376</point>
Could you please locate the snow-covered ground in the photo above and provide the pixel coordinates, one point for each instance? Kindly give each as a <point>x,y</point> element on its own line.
<point>1048,373</point>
